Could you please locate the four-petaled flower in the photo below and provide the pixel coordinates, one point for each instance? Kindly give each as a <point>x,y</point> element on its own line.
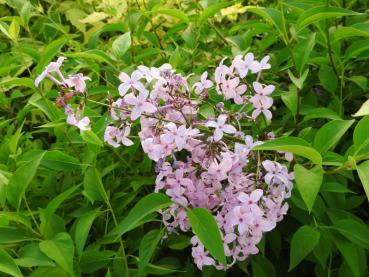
<point>263,91</point>
<point>140,104</point>
<point>130,82</point>
<point>220,127</point>
<point>78,82</point>
<point>244,65</point>
<point>51,67</point>
<point>204,84</point>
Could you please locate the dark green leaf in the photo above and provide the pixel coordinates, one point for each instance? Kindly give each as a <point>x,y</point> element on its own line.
<point>206,229</point>
<point>147,205</point>
<point>303,242</point>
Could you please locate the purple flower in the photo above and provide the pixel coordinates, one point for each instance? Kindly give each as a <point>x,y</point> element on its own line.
<point>139,103</point>
<point>221,127</point>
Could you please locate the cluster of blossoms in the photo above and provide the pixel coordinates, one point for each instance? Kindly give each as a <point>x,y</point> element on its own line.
<point>205,162</point>
<point>68,87</point>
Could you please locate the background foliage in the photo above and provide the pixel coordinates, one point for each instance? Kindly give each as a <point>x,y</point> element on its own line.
<point>66,200</point>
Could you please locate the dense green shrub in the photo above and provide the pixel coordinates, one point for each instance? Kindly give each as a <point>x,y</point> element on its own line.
<point>64,192</point>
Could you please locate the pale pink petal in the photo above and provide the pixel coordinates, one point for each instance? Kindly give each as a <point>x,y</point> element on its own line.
<point>142,96</point>
<point>123,88</point>
<point>218,134</point>
<point>127,141</point>
<point>148,107</point>
<point>229,129</point>
<point>268,114</point>
<point>139,86</point>
<point>256,195</point>
<point>255,113</point>
<point>136,113</point>
<point>269,165</point>
<point>269,89</point>
<point>124,77</point>
<point>257,87</point>
<point>211,124</point>
<point>221,119</point>
<point>131,99</point>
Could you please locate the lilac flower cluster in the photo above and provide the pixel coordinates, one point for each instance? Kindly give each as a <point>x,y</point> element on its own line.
<point>68,87</point>
<point>203,162</point>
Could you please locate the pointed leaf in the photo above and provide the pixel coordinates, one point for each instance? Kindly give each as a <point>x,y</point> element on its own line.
<point>308,182</point>
<point>294,145</point>
<point>206,229</point>
<point>147,205</point>
<point>330,133</point>
<point>20,180</point>
<point>8,265</point>
<point>303,242</point>
<point>147,248</point>
<point>61,250</point>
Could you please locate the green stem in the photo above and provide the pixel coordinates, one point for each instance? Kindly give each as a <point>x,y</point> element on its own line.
<point>330,53</point>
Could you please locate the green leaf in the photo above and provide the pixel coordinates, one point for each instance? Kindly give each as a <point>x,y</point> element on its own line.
<point>354,231</point>
<point>31,256</point>
<point>360,81</point>
<point>147,248</point>
<point>49,53</point>
<point>335,187</point>
<point>15,81</point>
<point>8,265</point>
<point>308,182</point>
<point>93,260</point>
<point>356,48</point>
<point>59,161</point>
<point>15,139</point>
<point>83,226</point>
<point>25,12</point>
<point>363,171</point>
<point>330,133</point>
<point>53,205</point>
<point>290,100</point>
<point>212,10</point>
<point>316,14</point>
<point>91,137</point>
<point>14,30</point>
<point>12,235</point>
<point>20,180</point>
<point>294,145</point>
<point>273,16</point>
<point>321,113</point>
<point>147,205</point>
<point>303,242</point>
<point>93,185</point>
<point>174,13</point>
<point>327,78</point>
<point>121,45</point>
<point>178,242</point>
<point>94,54</point>
<point>61,250</point>
<point>361,132</point>
<point>356,30</point>
<point>349,253</point>
<point>298,82</point>
<point>4,29</point>
<point>302,52</point>
<point>206,229</point>
<point>364,109</point>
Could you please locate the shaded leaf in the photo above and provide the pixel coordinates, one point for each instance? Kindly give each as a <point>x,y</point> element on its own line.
<point>206,229</point>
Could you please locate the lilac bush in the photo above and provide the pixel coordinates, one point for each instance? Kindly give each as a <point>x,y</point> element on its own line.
<point>205,162</point>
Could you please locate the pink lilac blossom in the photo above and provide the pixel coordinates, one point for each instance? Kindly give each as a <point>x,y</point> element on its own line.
<point>204,161</point>
<point>204,84</point>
